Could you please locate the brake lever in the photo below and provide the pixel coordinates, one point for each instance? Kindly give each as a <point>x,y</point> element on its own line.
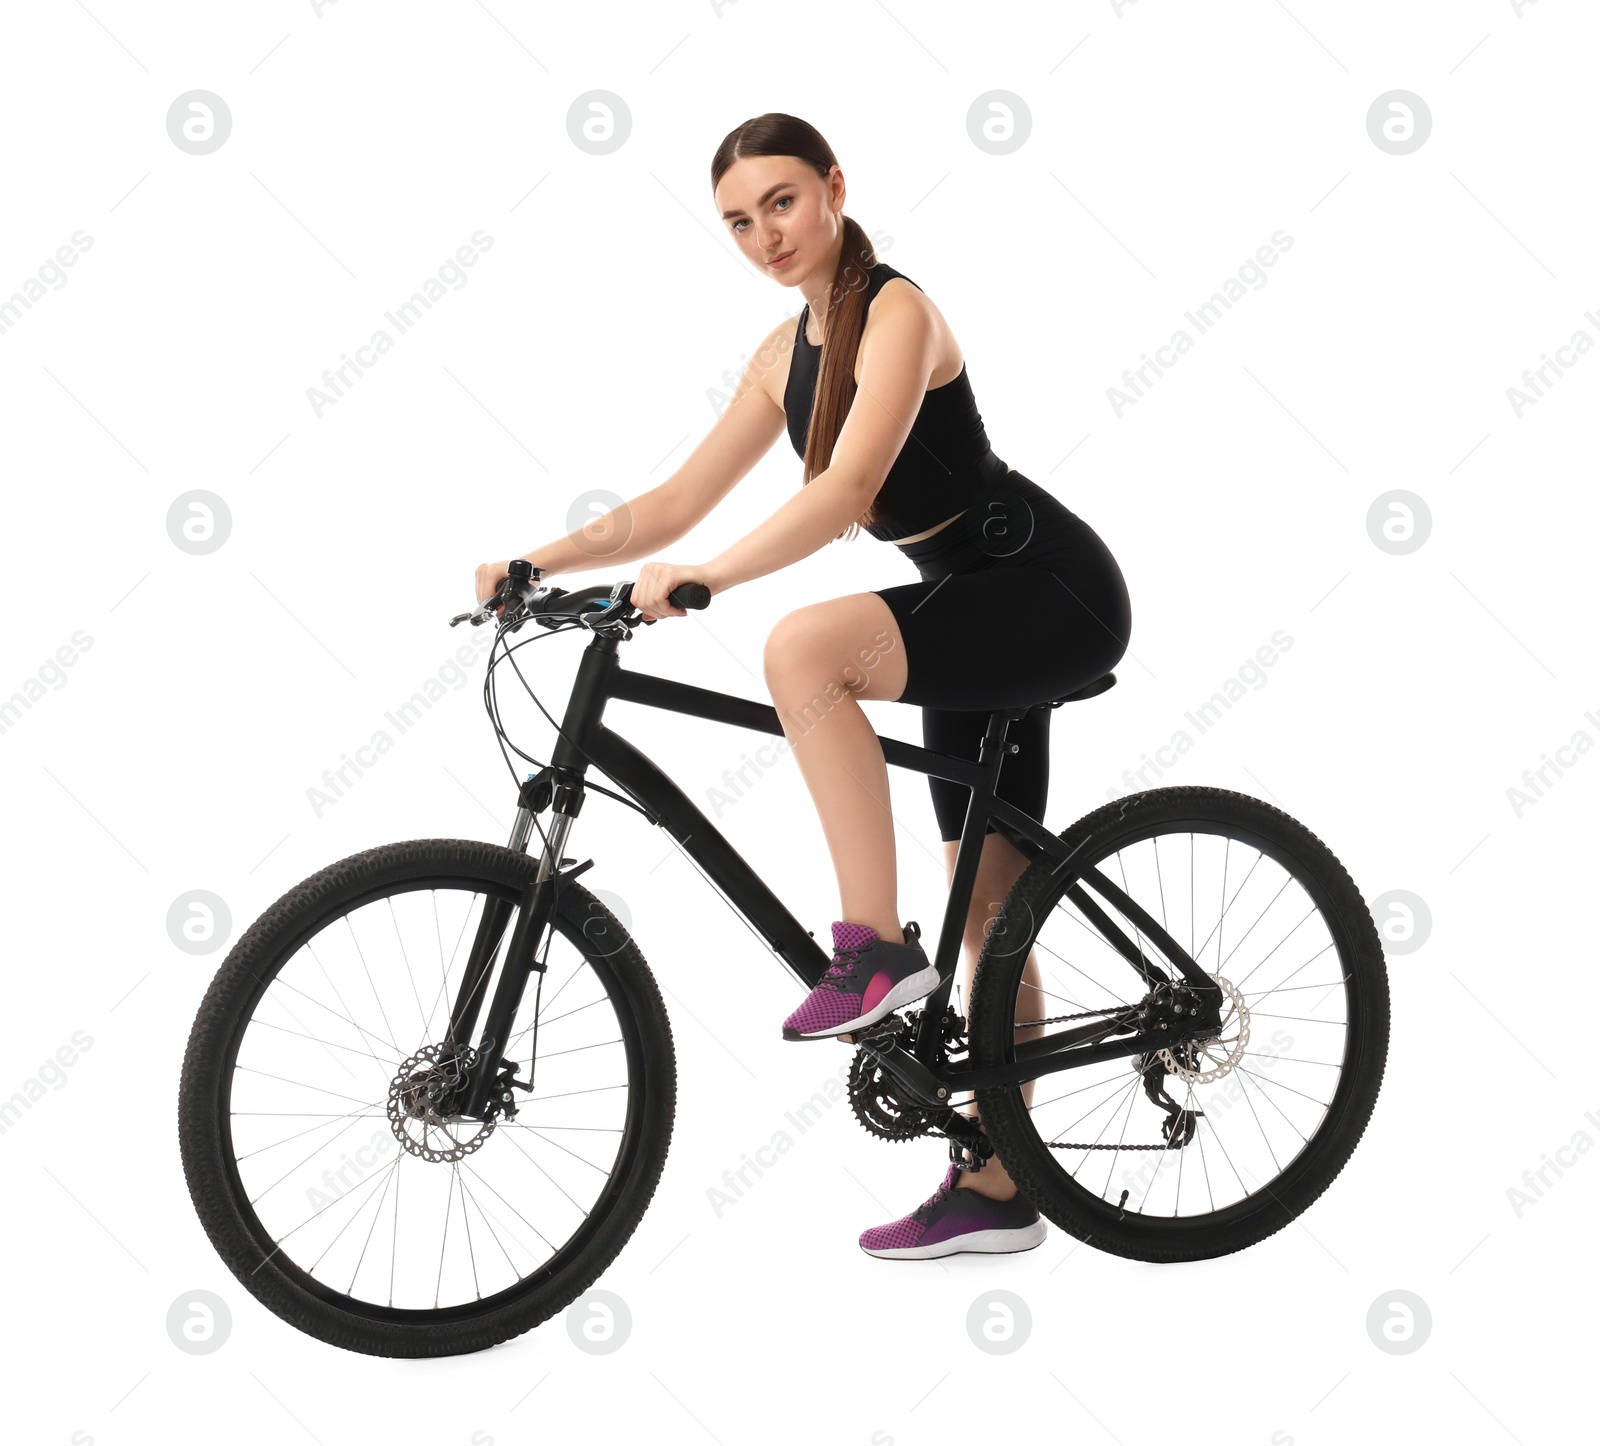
<point>510,604</point>
<point>614,612</point>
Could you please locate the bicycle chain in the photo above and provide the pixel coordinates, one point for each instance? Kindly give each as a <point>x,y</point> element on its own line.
<point>890,1026</point>
<point>1067,1019</point>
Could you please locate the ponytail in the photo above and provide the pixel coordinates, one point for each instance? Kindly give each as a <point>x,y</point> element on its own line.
<point>836,383</point>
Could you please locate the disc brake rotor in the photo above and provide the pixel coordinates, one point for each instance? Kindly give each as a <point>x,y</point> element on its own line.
<point>1202,1061</point>
<point>420,1097</point>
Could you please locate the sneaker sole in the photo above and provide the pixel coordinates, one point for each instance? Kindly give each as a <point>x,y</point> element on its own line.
<point>976,1242</point>
<point>908,990</point>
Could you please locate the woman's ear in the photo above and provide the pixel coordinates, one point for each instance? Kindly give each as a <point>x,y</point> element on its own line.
<point>836,189</point>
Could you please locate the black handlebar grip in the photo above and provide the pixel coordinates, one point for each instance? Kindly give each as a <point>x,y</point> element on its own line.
<point>687,595</point>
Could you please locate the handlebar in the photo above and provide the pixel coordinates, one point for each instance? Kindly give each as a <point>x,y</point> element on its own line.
<point>522,598</point>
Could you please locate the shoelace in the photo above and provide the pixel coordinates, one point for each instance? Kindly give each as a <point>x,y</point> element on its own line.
<point>844,964</point>
<point>924,1211</point>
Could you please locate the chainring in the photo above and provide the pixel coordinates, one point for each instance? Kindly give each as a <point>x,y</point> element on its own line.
<point>875,1094</point>
<point>875,1098</point>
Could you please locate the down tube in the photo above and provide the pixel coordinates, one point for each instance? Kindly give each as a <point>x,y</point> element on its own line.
<point>638,776</point>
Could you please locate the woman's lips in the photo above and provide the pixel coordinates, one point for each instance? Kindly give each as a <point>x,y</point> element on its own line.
<point>782,259</point>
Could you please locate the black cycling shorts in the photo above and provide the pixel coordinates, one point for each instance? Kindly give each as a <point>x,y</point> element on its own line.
<point>1020,601</point>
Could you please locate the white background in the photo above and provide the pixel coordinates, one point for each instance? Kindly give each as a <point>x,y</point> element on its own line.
<point>1167,143</point>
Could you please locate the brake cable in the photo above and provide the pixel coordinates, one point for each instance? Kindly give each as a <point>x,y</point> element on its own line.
<point>491,702</point>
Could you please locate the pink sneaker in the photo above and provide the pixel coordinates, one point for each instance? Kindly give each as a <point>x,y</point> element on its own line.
<point>869,978</point>
<point>952,1221</point>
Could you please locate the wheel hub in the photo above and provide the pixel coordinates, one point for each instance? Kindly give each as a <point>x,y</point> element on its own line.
<point>1202,1061</point>
<point>422,1099</point>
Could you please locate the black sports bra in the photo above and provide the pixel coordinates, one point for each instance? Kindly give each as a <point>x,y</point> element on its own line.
<point>945,464</point>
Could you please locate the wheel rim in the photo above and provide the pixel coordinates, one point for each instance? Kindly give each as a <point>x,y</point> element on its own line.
<point>312,1147</point>
<point>1275,937</point>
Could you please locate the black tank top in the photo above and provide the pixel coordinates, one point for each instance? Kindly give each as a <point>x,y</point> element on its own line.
<point>945,464</point>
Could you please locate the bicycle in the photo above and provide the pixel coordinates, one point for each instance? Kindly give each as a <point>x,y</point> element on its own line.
<point>287,1032</point>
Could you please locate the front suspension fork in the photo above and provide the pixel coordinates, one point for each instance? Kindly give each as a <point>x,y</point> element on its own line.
<point>535,911</point>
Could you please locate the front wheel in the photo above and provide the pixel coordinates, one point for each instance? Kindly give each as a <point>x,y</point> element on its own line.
<point>1202,1149</point>
<point>316,1152</point>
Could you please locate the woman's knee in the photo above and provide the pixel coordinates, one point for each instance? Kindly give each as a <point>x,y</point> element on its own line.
<point>833,645</point>
<point>795,650</point>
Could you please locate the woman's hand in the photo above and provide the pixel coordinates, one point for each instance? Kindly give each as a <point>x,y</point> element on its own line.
<point>657,579</point>
<point>491,574</point>
<point>488,579</point>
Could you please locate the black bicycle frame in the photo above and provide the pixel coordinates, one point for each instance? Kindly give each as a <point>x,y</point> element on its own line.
<point>585,740</point>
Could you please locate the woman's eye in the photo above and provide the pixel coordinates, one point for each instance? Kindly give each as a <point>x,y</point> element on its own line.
<point>785,201</point>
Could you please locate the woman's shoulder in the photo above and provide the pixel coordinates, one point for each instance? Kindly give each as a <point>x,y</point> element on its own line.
<point>880,274</point>
<point>913,307</point>
<point>899,292</point>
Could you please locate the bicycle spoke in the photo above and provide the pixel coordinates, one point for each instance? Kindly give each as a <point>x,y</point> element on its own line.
<point>250,1154</point>
<point>444,1237</point>
<point>1250,1073</point>
<point>365,1033</point>
<point>1290,988</point>
<point>329,1044</point>
<point>509,1206</point>
<point>392,1175</point>
<point>489,1226</point>
<point>382,1012</point>
<point>548,1176</point>
<point>316,1214</point>
<point>312,1268</point>
<point>399,939</point>
<point>557,1143</point>
<point>1239,943</point>
<point>365,1104</point>
<point>1039,1105</point>
<point>466,1225</point>
<point>257,1199</point>
<point>545,1024</point>
<point>1299,1018</point>
<point>1309,913</point>
<point>1122,1136</point>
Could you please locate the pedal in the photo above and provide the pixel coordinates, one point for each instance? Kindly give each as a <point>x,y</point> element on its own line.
<point>968,1159</point>
<point>884,1028</point>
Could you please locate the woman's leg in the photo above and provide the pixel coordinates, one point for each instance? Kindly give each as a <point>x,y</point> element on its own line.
<point>999,866</point>
<point>819,661</point>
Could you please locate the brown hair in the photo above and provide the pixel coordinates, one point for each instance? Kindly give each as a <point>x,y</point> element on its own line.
<point>777,134</point>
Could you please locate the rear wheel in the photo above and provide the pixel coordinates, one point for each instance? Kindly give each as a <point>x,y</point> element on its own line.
<point>1197,1151</point>
<point>314,1145</point>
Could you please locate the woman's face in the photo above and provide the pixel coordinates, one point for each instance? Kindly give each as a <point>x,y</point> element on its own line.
<point>779,210</point>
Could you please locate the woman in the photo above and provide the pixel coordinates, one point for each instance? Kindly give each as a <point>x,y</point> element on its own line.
<point>1019,600</point>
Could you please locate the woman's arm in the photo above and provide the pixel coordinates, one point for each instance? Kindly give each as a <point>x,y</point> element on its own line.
<point>641,527</point>
<point>897,357</point>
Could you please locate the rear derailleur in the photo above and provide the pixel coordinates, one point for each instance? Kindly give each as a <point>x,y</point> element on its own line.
<point>1180,1124</point>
